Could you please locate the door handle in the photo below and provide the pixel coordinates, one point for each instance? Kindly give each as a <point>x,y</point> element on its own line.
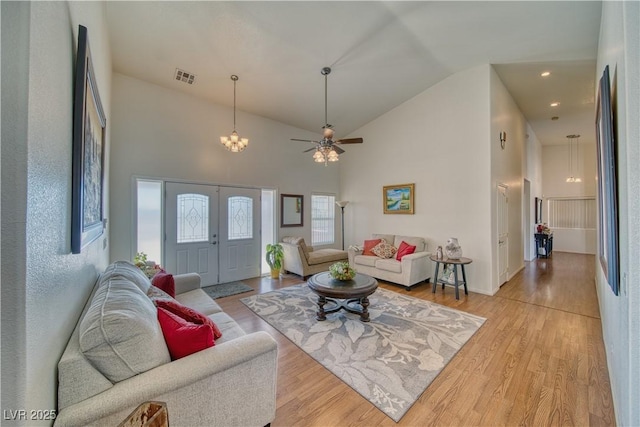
<point>214,243</point>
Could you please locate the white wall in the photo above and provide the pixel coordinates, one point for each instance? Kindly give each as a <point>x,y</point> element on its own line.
<point>44,287</point>
<point>555,167</point>
<point>162,133</point>
<point>507,168</point>
<point>437,140</point>
<point>618,48</point>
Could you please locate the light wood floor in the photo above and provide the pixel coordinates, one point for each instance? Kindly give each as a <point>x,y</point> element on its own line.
<point>538,360</point>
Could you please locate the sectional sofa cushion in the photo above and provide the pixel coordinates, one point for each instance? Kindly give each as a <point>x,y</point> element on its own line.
<point>128,271</point>
<point>120,334</point>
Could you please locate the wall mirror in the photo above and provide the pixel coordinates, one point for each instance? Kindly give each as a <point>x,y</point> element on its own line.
<point>291,210</point>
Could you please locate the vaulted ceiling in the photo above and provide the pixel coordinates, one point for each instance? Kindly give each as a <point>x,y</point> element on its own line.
<point>381,53</point>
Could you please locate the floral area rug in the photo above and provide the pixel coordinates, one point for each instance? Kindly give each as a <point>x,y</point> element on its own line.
<point>391,360</point>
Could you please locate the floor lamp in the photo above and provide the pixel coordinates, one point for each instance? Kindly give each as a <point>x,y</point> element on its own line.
<point>342,204</point>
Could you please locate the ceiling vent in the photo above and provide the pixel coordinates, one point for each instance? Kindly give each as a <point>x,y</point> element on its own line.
<point>184,76</point>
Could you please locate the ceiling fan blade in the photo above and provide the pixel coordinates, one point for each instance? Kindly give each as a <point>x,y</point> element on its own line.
<point>338,149</point>
<point>304,140</point>
<point>350,141</point>
<point>310,149</point>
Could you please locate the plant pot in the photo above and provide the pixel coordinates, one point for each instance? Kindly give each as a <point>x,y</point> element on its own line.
<point>275,273</point>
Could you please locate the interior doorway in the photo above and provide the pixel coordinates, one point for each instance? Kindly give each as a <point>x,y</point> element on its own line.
<point>526,220</point>
<point>503,234</point>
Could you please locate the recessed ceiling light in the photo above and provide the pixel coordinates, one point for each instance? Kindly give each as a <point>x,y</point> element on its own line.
<point>554,104</point>
<point>545,74</point>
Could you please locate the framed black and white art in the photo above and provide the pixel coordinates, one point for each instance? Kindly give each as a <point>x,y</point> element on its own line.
<point>89,128</point>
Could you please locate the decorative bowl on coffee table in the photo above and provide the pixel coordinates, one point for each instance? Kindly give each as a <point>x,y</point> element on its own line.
<point>341,271</point>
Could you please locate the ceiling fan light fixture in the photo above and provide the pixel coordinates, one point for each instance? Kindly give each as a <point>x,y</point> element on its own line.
<point>233,142</point>
<point>333,156</point>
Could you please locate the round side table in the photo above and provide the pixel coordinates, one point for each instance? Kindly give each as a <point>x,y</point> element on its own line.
<point>460,262</point>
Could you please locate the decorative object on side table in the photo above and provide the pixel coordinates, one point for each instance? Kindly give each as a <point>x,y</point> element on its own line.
<point>439,253</point>
<point>342,271</point>
<point>453,249</point>
<point>274,257</point>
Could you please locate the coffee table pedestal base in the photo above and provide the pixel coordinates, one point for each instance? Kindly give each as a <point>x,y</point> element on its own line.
<point>350,305</point>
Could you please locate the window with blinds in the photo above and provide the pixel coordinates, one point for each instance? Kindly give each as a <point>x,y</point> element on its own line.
<point>322,219</point>
<point>577,213</point>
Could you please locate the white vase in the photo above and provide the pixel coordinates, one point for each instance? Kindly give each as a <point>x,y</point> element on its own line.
<point>453,249</point>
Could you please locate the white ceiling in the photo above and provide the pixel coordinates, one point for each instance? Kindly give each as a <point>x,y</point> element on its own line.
<point>381,53</point>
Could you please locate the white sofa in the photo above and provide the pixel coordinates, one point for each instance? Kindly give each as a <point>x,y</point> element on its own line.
<point>230,384</point>
<point>304,261</point>
<point>411,270</point>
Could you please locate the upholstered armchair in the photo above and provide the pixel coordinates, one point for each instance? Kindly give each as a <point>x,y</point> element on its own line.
<point>304,261</point>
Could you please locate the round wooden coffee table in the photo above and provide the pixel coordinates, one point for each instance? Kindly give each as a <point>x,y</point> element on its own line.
<point>351,295</point>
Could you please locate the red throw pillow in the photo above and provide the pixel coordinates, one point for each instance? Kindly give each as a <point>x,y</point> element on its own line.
<point>404,249</point>
<point>368,245</point>
<point>164,281</point>
<point>189,314</point>
<point>182,337</point>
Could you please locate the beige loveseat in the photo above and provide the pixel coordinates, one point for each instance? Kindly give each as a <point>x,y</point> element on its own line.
<point>117,359</point>
<point>304,261</point>
<point>412,269</point>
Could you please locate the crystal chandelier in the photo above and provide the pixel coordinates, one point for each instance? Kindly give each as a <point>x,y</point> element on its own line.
<point>570,140</point>
<point>233,142</point>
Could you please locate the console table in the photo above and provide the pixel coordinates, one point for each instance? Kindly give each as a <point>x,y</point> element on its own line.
<point>544,244</point>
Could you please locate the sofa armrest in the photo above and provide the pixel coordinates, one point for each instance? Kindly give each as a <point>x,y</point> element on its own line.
<point>351,253</point>
<point>294,259</point>
<point>186,282</point>
<point>227,374</point>
<point>416,267</point>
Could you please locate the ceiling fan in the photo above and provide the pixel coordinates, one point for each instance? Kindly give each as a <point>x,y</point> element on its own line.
<point>327,150</point>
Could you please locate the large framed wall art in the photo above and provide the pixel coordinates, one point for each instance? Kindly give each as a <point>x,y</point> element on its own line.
<point>608,239</point>
<point>89,128</point>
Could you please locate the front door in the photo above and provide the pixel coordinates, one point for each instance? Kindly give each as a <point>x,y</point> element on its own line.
<point>191,230</point>
<point>240,242</point>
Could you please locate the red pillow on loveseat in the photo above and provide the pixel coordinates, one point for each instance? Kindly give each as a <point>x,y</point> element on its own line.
<point>368,245</point>
<point>404,249</point>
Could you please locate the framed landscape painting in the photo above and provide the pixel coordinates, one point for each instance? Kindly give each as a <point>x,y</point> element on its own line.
<point>89,127</point>
<point>398,199</point>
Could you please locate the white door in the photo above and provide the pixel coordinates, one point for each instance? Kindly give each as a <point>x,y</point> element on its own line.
<point>240,242</point>
<point>191,230</point>
<point>503,235</point>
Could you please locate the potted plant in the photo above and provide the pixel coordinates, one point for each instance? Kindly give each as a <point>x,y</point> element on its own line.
<point>274,257</point>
